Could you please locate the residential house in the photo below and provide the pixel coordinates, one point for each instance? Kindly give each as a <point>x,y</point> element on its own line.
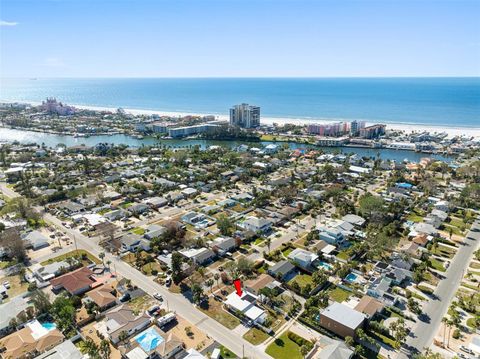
<point>246,305</point>
<point>369,306</point>
<point>131,242</point>
<point>77,282</point>
<point>222,245</point>
<point>303,258</point>
<point>357,221</point>
<point>153,231</point>
<point>116,214</point>
<point>282,270</point>
<point>262,281</point>
<point>380,289</point>
<point>156,202</point>
<point>199,256</point>
<point>49,271</point>
<point>138,208</point>
<point>331,235</point>
<point>35,240</point>
<point>341,320</point>
<point>102,296</point>
<point>336,350</point>
<point>122,319</point>
<point>257,225</point>
<point>63,351</point>
<point>30,341</point>
<point>161,345</point>
<point>11,310</point>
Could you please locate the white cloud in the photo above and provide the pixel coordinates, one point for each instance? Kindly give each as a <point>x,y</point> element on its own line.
<point>53,62</point>
<point>8,23</point>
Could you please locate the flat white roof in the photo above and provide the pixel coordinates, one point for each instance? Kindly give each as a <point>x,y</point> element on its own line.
<point>234,301</point>
<point>137,353</point>
<point>254,312</point>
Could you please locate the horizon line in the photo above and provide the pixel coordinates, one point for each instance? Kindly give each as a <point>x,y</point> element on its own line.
<point>240,77</point>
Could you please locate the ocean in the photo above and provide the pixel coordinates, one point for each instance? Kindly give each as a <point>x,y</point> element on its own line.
<point>449,102</point>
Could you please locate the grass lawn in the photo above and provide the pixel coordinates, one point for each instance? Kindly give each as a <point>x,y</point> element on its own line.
<point>225,353</point>
<point>147,268</point>
<point>436,264</point>
<point>287,251</point>
<point>258,241</point>
<point>255,336</point>
<point>339,294</point>
<point>17,286</point>
<point>6,264</point>
<point>141,303</point>
<point>455,229</point>
<point>475,265</point>
<point>138,230</point>
<point>471,323</point>
<point>302,280</point>
<point>73,253</point>
<point>414,217</point>
<point>384,339</point>
<point>443,251</point>
<point>216,312</point>
<point>343,255</point>
<point>284,348</point>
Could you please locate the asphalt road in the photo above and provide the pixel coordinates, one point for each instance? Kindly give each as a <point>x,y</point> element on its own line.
<point>424,333</point>
<point>176,302</point>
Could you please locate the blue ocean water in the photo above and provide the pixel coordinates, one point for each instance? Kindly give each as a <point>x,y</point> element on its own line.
<point>452,102</point>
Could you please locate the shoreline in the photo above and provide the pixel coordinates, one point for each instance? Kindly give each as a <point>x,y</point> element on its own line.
<point>408,128</point>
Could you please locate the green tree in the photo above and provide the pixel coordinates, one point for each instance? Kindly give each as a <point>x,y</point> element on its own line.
<point>225,225</point>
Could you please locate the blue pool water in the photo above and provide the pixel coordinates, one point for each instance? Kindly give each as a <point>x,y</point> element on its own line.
<point>149,339</point>
<point>49,326</point>
<point>325,266</point>
<point>351,277</point>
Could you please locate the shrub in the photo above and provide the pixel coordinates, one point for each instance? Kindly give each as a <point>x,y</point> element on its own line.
<point>299,340</point>
<point>456,334</point>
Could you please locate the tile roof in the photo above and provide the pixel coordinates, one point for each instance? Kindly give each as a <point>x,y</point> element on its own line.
<point>75,280</point>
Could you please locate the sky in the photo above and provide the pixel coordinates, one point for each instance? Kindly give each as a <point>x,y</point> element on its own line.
<point>239,38</point>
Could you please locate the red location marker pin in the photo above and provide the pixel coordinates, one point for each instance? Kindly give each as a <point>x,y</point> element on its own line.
<point>238,286</point>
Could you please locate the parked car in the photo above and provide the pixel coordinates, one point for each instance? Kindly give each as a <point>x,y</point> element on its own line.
<point>466,350</point>
<point>6,284</point>
<point>125,298</point>
<point>168,282</point>
<point>158,296</point>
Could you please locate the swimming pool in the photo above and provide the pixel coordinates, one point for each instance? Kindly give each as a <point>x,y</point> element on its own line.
<point>325,266</point>
<point>351,277</point>
<point>149,339</point>
<point>49,326</point>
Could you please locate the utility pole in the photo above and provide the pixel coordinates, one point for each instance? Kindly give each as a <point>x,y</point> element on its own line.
<point>75,241</point>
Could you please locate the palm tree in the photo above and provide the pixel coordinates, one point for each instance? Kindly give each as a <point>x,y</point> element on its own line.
<point>210,283</point>
<point>268,242</point>
<point>217,277</point>
<point>108,264</point>
<point>101,255</point>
